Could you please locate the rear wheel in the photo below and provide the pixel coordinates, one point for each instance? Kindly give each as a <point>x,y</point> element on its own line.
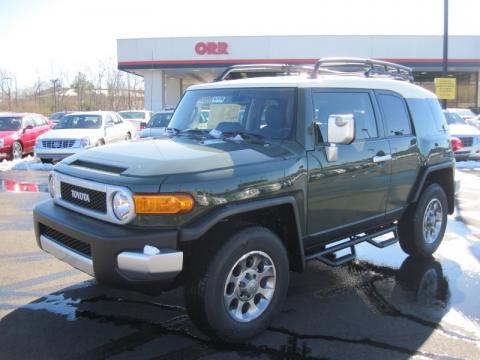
<point>17,151</point>
<point>422,228</point>
<point>241,287</point>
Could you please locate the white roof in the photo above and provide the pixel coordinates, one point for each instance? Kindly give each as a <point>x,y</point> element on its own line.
<point>404,88</point>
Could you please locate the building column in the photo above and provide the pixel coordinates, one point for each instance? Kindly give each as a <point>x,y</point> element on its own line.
<point>173,92</point>
<point>154,90</point>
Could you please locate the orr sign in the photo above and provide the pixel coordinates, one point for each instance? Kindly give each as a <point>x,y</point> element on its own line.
<point>211,48</point>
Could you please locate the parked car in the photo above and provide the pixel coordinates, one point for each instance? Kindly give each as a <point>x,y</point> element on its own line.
<point>469,135</point>
<point>56,116</point>
<point>283,168</point>
<point>80,131</point>
<point>157,124</point>
<point>466,114</point>
<point>139,118</point>
<point>474,122</point>
<point>18,133</point>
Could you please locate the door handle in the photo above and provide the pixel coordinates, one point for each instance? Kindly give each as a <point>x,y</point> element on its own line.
<point>383,158</point>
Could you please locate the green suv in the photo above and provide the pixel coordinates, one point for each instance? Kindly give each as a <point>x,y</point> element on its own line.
<point>257,173</point>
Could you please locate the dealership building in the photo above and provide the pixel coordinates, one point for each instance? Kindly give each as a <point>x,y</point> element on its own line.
<point>170,65</point>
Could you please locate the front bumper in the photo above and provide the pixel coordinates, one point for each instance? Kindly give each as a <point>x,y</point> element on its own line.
<point>145,260</point>
<point>56,154</point>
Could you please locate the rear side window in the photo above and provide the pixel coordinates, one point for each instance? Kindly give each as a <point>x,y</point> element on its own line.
<point>356,103</point>
<point>440,121</point>
<point>395,115</point>
<point>422,116</point>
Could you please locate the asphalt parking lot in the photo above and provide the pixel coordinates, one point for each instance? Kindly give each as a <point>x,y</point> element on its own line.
<point>385,305</point>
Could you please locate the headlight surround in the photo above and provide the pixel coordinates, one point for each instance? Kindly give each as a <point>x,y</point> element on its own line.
<point>84,142</point>
<point>51,184</point>
<point>121,205</point>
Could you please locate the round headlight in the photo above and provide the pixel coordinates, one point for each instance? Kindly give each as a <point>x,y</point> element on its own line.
<point>121,206</point>
<point>51,184</point>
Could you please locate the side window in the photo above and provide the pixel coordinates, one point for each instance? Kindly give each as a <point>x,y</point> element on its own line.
<point>117,119</point>
<point>421,116</point>
<point>440,121</point>
<point>395,115</point>
<point>109,119</point>
<point>358,104</point>
<point>38,121</point>
<point>29,122</point>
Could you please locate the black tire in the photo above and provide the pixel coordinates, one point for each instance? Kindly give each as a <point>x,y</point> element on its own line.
<point>128,137</point>
<point>207,284</point>
<point>412,238</point>
<point>46,161</point>
<point>16,151</point>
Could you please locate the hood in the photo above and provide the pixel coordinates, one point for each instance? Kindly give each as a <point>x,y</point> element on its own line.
<point>165,156</point>
<point>70,133</point>
<point>148,132</point>
<point>7,133</point>
<point>462,129</point>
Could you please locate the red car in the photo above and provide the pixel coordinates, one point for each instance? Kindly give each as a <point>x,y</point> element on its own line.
<point>18,133</point>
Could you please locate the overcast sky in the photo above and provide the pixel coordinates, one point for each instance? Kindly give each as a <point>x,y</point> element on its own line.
<point>40,38</point>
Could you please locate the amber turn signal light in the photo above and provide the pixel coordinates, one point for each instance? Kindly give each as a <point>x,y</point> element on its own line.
<point>163,204</point>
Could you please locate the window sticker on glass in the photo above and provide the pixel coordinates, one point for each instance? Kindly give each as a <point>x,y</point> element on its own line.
<point>218,99</point>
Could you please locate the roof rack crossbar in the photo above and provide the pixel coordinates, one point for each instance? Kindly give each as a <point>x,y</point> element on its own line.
<point>285,69</point>
<point>371,68</point>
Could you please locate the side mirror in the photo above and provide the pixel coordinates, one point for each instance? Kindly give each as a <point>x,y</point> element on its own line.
<point>28,127</point>
<point>341,130</point>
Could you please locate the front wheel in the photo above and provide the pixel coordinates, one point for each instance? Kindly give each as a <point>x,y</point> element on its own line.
<point>17,151</point>
<point>241,287</point>
<point>422,228</point>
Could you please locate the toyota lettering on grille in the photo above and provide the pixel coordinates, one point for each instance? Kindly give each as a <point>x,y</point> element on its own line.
<point>80,196</point>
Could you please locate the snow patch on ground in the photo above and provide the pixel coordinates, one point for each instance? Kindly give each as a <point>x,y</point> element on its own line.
<point>56,304</point>
<point>470,165</point>
<point>27,163</point>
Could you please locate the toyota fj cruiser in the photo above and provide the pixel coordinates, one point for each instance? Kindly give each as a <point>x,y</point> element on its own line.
<point>257,173</point>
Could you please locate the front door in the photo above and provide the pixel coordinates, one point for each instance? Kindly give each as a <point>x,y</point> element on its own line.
<point>354,188</point>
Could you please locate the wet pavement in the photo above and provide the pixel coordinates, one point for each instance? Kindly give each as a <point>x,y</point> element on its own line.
<point>384,305</point>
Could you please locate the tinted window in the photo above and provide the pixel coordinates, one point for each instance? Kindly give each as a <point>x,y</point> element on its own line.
<point>160,120</point>
<point>357,104</point>
<point>117,119</point>
<point>395,115</point>
<point>10,123</point>
<point>132,114</point>
<point>80,122</point>
<point>422,115</point>
<point>437,113</point>
<point>454,118</point>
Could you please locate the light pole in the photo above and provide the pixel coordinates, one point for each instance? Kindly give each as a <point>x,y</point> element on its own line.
<point>54,82</point>
<point>445,45</point>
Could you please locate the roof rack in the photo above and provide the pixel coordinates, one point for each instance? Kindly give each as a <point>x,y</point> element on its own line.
<point>362,67</point>
<point>260,70</point>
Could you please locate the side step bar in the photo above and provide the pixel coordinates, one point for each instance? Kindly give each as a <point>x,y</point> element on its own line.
<point>327,255</point>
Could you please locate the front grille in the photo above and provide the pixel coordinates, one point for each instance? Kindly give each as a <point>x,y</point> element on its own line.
<point>86,198</point>
<point>58,144</point>
<point>467,141</point>
<point>73,244</point>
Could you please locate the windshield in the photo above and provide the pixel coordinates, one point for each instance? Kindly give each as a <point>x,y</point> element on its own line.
<point>10,123</point>
<point>159,120</point>
<point>132,114</point>
<point>267,112</point>
<point>80,122</point>
<point>454,118</point>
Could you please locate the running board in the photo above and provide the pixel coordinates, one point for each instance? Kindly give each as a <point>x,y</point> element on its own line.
<point>327,255</point>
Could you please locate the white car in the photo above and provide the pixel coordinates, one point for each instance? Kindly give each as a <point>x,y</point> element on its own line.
<point>138,118</point>
<point>157,124</point>
<point>464,113</point>
<point>79,131</point>
<point>469,135</point>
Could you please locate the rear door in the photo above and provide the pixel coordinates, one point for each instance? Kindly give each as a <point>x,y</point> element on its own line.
<point>344,193</point>
<point>403,146</point>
